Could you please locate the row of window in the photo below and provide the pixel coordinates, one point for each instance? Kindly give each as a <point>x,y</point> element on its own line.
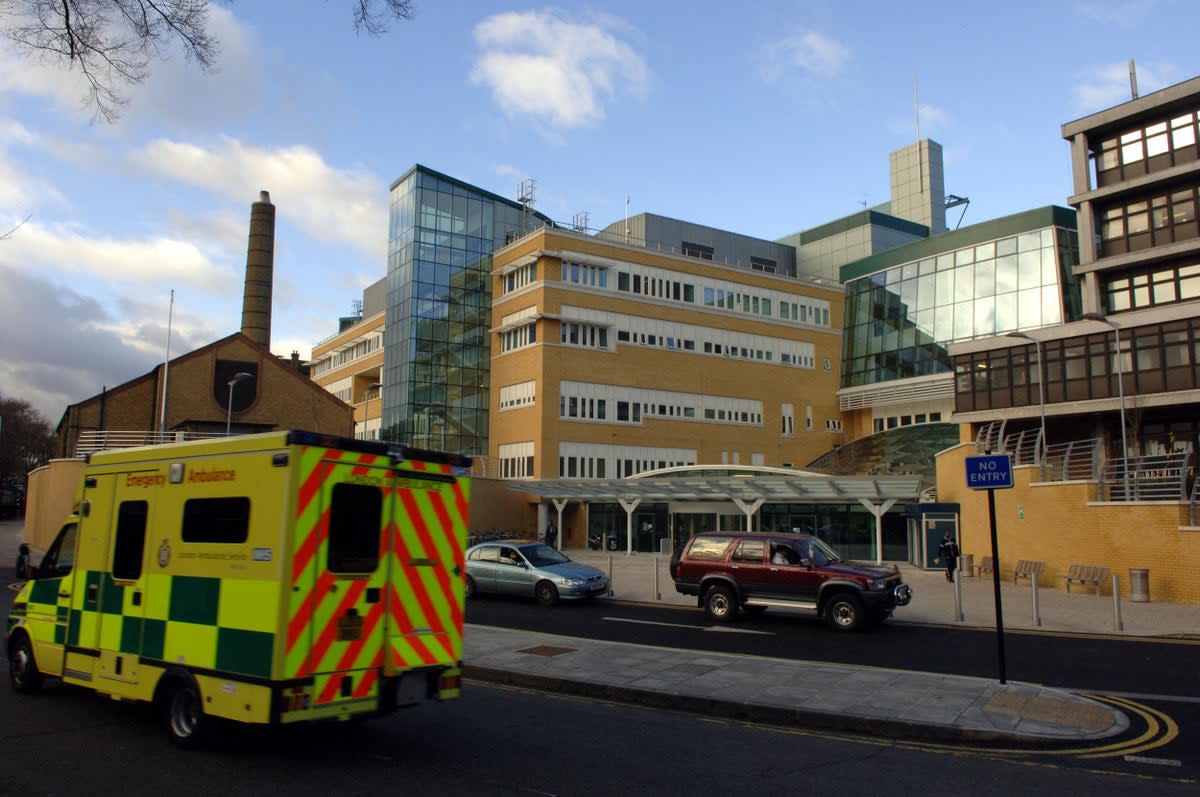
<point>347,355</point>
<point>519,338</point>
<point>1163,285</point>
<point>573,403</point>
<point>519,395</point>
<point>1154,359</point>
<point>588,335</point>
<point>1152,221</point>
<point>519,277</point>
<point>1150,147</point>
<point>661,284</point>
<point>896,421</point>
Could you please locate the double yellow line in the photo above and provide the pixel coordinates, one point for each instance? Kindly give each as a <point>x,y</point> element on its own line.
<point>1160,730</point>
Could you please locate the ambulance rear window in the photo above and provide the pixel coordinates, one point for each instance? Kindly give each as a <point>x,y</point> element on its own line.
<point>355,520</point>
<point>216,520</point>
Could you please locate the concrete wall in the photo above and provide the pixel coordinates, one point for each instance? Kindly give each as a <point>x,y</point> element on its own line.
<point>52,492</point>
<point>1061,523</point>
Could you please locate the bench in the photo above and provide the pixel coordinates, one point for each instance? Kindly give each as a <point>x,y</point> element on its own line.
<point>985,564</point>
<point>1092,576</point>
<point>1027,568</point>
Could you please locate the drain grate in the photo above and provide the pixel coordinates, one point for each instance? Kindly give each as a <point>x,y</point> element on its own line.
<point>547,650</point>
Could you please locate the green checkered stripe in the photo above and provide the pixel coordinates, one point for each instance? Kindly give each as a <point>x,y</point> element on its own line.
<point>44,593</point>
<point>225,625</point>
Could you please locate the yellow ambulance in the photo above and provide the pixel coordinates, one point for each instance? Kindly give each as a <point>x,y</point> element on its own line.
<point>269,579</point>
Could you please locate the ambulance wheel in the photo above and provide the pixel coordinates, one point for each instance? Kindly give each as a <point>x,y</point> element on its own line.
<point>184,714</point>
<point>22,669</point>
<point>546,593</point>
<point>469,590</point>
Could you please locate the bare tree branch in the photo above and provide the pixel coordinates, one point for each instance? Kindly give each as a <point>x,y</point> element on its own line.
<point>14,229</point>
<point>112,42</point>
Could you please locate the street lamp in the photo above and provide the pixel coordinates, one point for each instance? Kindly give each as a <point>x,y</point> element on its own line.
<point>240,376</point>
<point>1120,392</point>
<point>367,405</point>
<point>1037,344</point>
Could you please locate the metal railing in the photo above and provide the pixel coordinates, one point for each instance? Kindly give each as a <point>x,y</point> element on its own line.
<point>1024,446</point>
<point>990,438</point>
<point>99,440</point>
<point>1161,477</point>
<point>1078,460</point>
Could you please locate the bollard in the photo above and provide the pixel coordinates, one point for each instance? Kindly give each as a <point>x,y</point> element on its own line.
<point>610,580</point>
<point>657,593</point>
<point>1116,588</point>
<point>1037,617</point>
<point>958,610</point>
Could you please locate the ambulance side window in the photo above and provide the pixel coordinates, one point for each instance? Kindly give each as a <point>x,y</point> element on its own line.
<point>355,518</point>
<point>60,559</point>
<point>216,520</point>
<point>130,542</point>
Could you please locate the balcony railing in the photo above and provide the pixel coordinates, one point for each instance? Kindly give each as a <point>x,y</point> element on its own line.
<point>94,440</point>
<point>1163,477</point>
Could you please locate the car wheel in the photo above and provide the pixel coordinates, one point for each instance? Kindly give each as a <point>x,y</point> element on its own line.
<point>845,611</point>
<point>720,604</point>
<point>184,714</point>
<point>22,669</point>
<point>546,593</point>
<point>469,589</point>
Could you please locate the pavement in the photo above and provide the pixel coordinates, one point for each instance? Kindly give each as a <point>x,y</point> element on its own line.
<point>872,700</point>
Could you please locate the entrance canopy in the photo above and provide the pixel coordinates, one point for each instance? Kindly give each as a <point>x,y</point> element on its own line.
<point>726,483</point>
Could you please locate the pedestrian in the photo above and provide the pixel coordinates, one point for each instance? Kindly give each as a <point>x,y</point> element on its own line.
<point>551,534</point>
<point>948,553</point>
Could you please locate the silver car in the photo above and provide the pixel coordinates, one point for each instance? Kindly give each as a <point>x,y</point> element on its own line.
<point>532,569</point>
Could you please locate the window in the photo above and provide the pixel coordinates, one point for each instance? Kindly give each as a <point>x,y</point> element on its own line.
<point>709,547</point>
<point>129,542</point>
<point>697,250</point>
<point>216,520</point>
<point>750,551</point>
<point>60,559</point>
<point>355,520</point>
<point>763,264</point>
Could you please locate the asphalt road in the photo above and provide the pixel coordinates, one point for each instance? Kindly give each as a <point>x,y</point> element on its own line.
<point>497,741</point>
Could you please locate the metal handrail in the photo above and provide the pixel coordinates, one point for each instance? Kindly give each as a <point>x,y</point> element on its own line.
<point>1024,446</point>
<point>1160,477</point>
<point>99,440</point>
<point>990,438</point>
<point>1077,460</point>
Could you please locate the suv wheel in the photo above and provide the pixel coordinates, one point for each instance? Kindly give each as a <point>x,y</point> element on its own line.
<point>720,604</point>
<point>845,611</point>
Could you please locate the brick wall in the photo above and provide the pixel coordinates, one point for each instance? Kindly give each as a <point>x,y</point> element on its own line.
<point>1062,524</point>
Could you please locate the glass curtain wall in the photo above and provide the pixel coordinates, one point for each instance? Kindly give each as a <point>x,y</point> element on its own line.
<point>441,235</point>
<point>899,320</point>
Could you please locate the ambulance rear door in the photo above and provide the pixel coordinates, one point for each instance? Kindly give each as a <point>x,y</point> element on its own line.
<point>339,576</point>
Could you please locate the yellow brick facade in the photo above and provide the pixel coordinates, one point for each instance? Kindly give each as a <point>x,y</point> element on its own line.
<point>1061,523</point>
<point>549,362</point>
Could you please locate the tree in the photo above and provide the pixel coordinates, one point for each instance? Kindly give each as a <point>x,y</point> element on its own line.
<point>111,42</point>
<point>26,440</point>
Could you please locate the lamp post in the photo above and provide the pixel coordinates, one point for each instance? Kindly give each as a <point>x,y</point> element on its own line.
<point>367,405</point>
<point>240,376</point>
<point>1120,392</point>
<point>1037,344</point>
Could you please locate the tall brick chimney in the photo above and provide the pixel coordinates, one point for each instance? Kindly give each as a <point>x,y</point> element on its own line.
<point>260,267</point>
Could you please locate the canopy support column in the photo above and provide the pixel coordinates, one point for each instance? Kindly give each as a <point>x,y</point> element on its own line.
<point>878,511</point>
<point>629,506</point>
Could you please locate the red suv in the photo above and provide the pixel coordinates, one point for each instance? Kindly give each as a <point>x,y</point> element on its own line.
<point>732,571</point>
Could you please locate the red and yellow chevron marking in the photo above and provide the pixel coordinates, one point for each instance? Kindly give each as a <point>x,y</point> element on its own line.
<point>417,620</point>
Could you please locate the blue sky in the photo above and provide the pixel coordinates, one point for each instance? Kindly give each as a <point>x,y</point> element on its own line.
<point>764,118</point>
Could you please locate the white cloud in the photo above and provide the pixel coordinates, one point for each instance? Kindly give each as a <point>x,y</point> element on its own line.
<point>62,345</point>
<point>554,70</point>
<point>333,205</point>
<point>934,122</point>
<point>1109,85</point>
<point>805,50</point>
<point>66,251</point>
<point>1126,14</point>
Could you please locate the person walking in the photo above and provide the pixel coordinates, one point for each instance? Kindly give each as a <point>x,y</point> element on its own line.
<point>551,534</point>
<point>948,553</point>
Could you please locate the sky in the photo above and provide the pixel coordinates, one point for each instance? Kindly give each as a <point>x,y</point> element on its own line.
<point>763,118</point>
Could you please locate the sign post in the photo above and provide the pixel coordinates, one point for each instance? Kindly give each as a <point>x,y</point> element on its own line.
<point>991,472</point>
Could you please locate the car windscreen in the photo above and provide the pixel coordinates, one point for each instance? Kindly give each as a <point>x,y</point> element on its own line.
<point>822,554</point>
<point>542,555</point>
